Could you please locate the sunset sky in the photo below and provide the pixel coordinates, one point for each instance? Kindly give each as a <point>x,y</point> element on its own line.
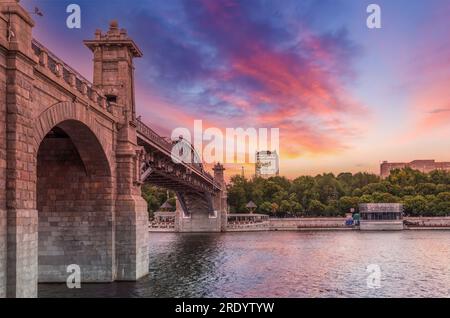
<point>344,97</point>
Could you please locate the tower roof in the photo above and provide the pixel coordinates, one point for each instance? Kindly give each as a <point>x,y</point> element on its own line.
<point>166,206</point>
<point>114,37</point>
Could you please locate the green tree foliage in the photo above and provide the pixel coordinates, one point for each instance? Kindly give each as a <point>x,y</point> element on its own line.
<point>156,197</point>
<point>330,195</point>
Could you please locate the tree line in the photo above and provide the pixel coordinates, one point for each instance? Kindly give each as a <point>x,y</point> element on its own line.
<point>421,194</point>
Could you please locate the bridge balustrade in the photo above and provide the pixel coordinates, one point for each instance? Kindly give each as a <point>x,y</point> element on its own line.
<point>69,75</point>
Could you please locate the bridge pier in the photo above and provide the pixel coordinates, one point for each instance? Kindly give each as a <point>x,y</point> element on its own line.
<point>203,212</point>
<point>196,215</point>
<point>3,252</point>
<point>18,162</point>
<point>132,251</point>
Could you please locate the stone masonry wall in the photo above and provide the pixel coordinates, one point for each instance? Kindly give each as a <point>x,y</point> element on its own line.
<point>3,252</point>
<point>20,157</point>
<point>306,223</point>
<point>74,215</point>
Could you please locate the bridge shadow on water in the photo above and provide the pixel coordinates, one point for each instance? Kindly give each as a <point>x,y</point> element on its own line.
<point>181,265</point>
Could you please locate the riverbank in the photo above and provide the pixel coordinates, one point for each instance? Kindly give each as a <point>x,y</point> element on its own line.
<point>410,223</point>
<point>324,224</point>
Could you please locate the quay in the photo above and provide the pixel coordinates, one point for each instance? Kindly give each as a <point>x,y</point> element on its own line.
<point>318,224</point>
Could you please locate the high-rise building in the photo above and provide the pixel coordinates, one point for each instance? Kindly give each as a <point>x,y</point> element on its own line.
<point>267,164</point>
<point>425,166</point>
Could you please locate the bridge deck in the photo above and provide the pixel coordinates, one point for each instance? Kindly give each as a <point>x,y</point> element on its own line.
<point>155,141</point>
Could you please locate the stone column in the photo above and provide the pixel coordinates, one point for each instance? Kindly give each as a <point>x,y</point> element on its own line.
<point>3,229</point>
<point>21,211</point>
<point>132,253</point>
<point>178,214</point>
<point>220,198</point>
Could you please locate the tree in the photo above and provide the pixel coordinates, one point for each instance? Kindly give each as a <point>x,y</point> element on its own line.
<point>347,203</point>
<point>316,208</point>
<point>265,207</point>
<point>302,187</point>
<point>298,209</point>
<point>346,180</point>
<point>374,187</point>
<point>379,197</point>
<point>408,190</point>
<point>362,179</point>
<point>357,192</point>
<point>328,187</point>
<point>407,177</point>
<point>155,197</point>
<point>439,177</point>
<point>274,208</point>
<point>415,205</point>
<point>442,204</point>
<point>442,188</point>
<point>425,188</point>
<point>286,207</point>
<point>366,198</point>
<point>237,197</point>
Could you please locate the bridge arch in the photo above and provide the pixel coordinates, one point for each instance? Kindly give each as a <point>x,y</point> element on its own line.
<point>66,111</point>
<point>185,146</point>
<point>74,198</point>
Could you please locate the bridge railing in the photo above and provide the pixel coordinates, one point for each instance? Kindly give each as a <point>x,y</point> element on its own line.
<point>163,143</point>
<point>74,79</point>
<point>153,136</point>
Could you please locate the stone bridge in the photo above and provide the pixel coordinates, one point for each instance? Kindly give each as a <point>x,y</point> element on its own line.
<point>73,157</point>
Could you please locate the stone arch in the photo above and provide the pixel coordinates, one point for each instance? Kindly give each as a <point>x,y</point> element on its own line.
<point>65,111</point>
<point>74,198</point>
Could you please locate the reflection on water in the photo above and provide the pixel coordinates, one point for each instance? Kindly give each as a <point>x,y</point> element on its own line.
<point>285,264</point>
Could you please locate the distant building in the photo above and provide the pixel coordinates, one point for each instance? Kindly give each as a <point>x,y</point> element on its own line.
<point>267,164</point>
<point>425,166</point>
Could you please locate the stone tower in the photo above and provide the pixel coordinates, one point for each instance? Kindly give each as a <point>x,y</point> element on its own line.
<point>113,67</point>
<point>220,200</point>
<point>113,53</point>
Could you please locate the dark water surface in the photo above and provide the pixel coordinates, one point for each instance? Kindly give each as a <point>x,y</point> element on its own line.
<point>285,264</point>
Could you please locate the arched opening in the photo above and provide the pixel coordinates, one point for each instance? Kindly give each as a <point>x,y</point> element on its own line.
<point>75,205</point>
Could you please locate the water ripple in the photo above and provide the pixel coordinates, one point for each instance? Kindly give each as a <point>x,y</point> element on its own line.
<point>285,264</point>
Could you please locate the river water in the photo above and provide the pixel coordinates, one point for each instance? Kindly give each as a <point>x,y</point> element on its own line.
<point>286,264</point>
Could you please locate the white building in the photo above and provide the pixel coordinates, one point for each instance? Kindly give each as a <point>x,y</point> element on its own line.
<point>267,164</point>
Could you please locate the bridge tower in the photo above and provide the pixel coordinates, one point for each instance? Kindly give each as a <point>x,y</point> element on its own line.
<point>113,64</point>
<point>220,198</point>
<point>113,53</point>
